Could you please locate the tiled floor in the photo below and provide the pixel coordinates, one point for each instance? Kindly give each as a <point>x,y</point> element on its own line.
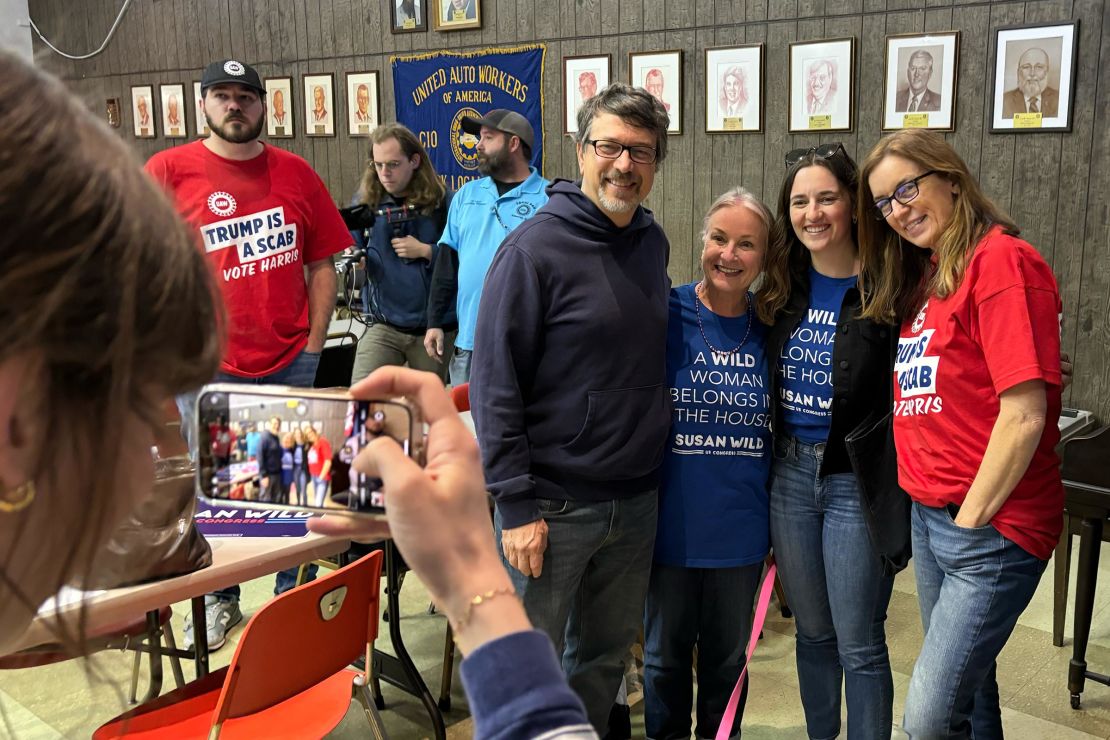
<point>69,700</point>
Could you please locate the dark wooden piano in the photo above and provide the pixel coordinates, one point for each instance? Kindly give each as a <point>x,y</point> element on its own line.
<point>1086,474</point>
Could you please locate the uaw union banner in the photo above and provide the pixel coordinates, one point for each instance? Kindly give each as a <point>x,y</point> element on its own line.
<point>435,91</point>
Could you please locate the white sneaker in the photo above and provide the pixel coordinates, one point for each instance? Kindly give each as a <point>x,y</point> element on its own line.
<point>220,616</point>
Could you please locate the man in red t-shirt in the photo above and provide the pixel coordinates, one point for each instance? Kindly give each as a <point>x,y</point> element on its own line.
<point>262,216</point>
<point>223,440</point>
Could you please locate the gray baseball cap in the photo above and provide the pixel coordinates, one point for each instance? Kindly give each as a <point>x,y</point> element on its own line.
<point>505,120</point>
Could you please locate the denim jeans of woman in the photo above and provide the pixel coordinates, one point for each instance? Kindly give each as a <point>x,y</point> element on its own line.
<point>836,588</point>
<point>300,481</point>
<point>707,607</point>
<point>972,585</point>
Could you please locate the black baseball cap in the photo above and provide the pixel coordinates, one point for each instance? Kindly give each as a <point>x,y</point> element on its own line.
<point>502,119</point>
<point>231,71</point>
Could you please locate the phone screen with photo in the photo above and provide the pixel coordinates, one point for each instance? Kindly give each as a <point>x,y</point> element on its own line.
<point>293,451</point>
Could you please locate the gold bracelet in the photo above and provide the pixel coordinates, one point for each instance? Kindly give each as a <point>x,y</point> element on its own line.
<point>476,601</point>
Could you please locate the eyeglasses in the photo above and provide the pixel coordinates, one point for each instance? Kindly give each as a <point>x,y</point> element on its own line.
<point>386,166</point>
<point>614,149</point>
<point>824,151</point>
<point>904,193</point>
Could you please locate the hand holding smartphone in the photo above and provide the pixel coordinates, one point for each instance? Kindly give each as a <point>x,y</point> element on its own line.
<point>438,516</point>
<point>277,447</point>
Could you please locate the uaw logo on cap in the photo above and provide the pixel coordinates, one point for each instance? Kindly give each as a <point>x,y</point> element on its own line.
<point>221,203</point>
<point>463,145</point>
<point>234,68</point>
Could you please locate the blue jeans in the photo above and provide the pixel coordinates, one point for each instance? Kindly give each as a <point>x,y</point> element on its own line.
<point>300,482</point>
<point>707,607</point>
<point>589,598</point>
<point>320,490</point>
<point>835,586</point>
<point>972,585</point>
<point>459,368</point>
<point>301,372</point>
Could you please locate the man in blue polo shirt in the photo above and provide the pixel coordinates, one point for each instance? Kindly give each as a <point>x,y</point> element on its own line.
<point>482,214</point>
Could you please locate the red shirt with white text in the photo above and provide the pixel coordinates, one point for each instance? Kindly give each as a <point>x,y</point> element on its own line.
<point>998,329</point>
<point>259,221</point>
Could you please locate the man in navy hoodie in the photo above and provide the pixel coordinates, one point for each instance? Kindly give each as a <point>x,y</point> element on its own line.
<point>569,397</point>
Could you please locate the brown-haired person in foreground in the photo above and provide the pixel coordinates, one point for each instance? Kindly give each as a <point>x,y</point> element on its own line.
<point>976,404</point>
<point>106,312</point>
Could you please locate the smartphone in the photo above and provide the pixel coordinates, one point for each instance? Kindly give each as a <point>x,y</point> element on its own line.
<point>276,447</point>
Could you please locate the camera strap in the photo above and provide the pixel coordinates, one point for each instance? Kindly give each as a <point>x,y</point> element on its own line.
<point>724,731</point>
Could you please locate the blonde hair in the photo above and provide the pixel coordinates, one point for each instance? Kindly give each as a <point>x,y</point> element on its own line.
<point>742,198</point>
<point>897,274</point>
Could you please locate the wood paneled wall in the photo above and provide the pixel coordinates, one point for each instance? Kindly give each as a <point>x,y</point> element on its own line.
<point>1056,185</point>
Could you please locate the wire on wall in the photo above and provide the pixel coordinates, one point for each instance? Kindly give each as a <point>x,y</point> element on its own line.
<point>102,47</point>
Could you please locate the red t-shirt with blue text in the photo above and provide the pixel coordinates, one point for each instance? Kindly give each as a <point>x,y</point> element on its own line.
<point>259,221</point>
<point>1001,327</point>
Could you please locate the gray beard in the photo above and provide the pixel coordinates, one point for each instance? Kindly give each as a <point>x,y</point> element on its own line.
<point>1033,88</point>
<point>615,205</point>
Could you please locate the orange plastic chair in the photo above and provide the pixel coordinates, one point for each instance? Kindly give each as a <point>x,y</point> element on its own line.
<point>289,677</point>
<point>460,395</point>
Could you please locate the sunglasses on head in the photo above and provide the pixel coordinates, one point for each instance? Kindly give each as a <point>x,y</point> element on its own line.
<point>824,151</point>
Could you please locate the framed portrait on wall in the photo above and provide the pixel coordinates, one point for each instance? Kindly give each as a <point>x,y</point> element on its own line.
<point>457,15</point>
<point>1034,78</point>
<point>734,89</point>
<point>111,112</point>
<point>821,81</point>
<point>201,121</point>
<point>319,105</point>
<point>407,16</point>
<point>583,76</point>
<point>363,111</point>
<point>142,111</point>
<point>279,108</point>
<point>920,82</point>
<point>660,73</point>
<point>173,111</point>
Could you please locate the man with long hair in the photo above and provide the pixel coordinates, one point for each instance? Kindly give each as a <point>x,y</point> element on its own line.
<point>401,186</point>
<point>269,229</point>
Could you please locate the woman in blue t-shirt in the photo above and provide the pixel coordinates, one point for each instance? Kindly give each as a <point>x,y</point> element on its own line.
<point>713,532</point>
<point>831,379</point>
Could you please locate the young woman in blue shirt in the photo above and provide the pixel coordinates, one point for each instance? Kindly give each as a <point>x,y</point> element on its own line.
<point>831,378</point>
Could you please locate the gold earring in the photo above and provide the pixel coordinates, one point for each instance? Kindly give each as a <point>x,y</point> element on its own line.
<point>18,498</point>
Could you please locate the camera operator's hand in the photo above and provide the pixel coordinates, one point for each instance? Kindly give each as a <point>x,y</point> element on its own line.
<point>409,248</point>
<point>438,516</point>
<point>433,344</point>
